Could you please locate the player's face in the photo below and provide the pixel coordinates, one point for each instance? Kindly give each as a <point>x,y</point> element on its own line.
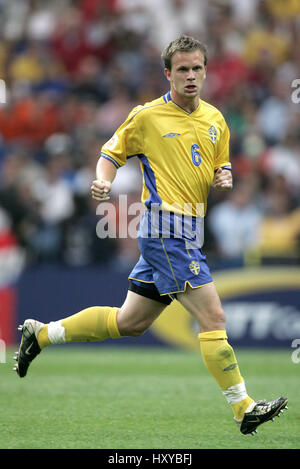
<point>187,74</point>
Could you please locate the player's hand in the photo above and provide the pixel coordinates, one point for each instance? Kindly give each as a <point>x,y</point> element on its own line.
<point>222,180</point>
<point>101,190</point>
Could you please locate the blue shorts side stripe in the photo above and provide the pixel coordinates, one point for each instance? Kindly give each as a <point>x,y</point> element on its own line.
<point>166,254</point>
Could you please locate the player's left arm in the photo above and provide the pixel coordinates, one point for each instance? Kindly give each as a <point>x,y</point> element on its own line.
<point>223,176</point>
<point>223,180</point>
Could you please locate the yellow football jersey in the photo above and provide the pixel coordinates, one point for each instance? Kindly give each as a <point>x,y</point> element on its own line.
<point>178,152</point>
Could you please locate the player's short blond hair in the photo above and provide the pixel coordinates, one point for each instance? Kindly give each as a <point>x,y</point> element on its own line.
<point>182,43</point>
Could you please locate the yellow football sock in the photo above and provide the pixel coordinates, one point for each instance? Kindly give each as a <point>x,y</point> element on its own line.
<point>42,338</point>
<point>91,324</point>
<point>240,407</point>
<point>220,360</point>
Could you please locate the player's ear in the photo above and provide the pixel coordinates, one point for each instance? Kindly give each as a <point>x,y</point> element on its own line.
<point>167,73</point>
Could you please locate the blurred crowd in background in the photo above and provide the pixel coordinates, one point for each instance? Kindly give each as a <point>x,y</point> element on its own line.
<point>73,70</point>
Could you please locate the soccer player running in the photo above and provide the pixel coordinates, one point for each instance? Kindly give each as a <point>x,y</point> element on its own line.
<point>182,144</point>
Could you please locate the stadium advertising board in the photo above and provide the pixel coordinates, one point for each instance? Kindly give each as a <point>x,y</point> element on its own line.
<point>262,305</point>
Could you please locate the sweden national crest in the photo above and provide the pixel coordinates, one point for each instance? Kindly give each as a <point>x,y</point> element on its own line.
<point>194,267</point>
<point>213,133</point>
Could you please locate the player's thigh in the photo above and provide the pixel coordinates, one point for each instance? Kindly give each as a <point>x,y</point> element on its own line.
<point>204,305</point>
<point>137,314</point>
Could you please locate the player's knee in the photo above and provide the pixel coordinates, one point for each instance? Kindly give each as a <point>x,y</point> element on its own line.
<point>137,331</point>
<point>217,319</point>
<point>219,314</point>
<point>133,329</point>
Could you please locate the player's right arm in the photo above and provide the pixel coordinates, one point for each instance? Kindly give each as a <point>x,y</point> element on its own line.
<point>126,142</point>
<point>105,174</point>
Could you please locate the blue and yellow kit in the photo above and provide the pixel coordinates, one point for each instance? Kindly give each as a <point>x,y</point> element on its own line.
<point>179,153</point>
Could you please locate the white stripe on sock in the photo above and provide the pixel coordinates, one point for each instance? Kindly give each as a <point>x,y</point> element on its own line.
<point>235,393</point>
<point>56,332</point>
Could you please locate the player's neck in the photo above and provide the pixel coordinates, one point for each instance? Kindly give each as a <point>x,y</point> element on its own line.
<point>188,105</point>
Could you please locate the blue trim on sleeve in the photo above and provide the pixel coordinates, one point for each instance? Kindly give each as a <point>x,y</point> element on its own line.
<point>109,158</point>
<point>227,167</point>
<point>224,167</point>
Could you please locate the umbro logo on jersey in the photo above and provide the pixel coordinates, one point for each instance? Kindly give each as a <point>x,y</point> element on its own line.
<point>171,135</point>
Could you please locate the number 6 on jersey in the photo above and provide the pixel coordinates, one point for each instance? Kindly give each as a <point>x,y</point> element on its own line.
<point>196,157</point>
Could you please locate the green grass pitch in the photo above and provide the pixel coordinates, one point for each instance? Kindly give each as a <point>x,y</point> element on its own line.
<point>143,398</point>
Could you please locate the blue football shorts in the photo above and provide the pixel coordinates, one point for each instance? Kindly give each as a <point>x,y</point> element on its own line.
<point>166,266</point>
